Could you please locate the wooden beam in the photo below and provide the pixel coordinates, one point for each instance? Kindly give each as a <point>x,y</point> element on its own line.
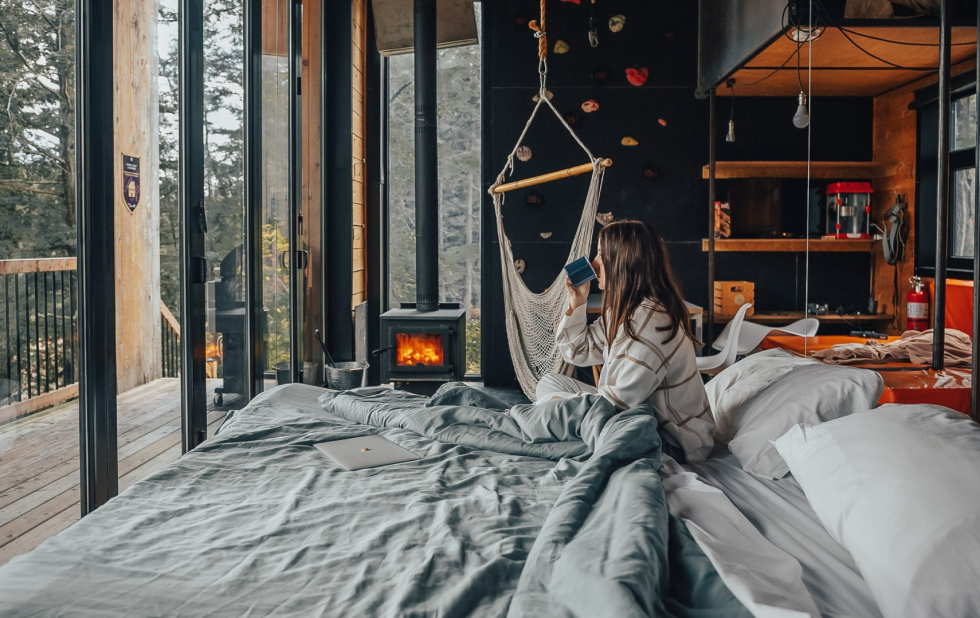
<point>8,413</point>
<point>39,265</point>
<point>358,134</point>
<point>790,245</point>
<point>841,69</point>
<point>798,169</point>
<point>275,26</point>
<point>169,317</point>
<point>137,230</point>
<point>311,193</point>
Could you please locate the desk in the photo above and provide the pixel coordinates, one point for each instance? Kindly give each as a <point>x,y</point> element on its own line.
<point>695,312</point>
<point>904,382</point>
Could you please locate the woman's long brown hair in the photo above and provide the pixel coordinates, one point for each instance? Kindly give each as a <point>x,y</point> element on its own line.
<point>635,268</point>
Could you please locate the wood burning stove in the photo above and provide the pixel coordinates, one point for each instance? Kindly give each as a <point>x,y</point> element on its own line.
<point>423,349</point>
<point>423,343</point>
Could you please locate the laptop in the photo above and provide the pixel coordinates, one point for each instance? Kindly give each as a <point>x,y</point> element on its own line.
<point>365,452</point>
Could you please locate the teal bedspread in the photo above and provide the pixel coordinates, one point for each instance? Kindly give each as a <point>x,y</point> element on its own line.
<point>536,511</point>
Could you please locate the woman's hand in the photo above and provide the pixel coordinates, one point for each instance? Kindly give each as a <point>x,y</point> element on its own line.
<point>577,296</point>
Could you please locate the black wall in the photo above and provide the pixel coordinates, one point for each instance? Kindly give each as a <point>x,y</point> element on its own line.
<point>661,36</point>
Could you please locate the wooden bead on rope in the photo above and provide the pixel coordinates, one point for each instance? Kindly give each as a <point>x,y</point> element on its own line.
<point>542,38</point>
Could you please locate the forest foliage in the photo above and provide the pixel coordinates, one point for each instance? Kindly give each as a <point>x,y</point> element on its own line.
<point>37,160</point>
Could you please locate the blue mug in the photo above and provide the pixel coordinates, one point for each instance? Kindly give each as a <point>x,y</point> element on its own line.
<point>580,271</point>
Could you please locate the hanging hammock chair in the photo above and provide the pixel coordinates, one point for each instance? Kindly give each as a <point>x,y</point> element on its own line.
<point>532,318</point>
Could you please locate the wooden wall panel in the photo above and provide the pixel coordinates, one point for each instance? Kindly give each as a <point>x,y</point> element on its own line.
<point>137,233</point>
<point>358,88</point>
<point>275,26</point>
<point>894,142</point>
<point>311,182</point>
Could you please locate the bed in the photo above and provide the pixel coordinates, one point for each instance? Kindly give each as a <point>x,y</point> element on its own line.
<point>499,518</point>
<point>255,522</point>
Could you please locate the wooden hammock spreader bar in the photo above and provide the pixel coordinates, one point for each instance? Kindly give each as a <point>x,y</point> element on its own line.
<point>543,178</point>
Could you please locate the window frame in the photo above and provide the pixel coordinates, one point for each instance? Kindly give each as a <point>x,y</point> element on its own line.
<point>927,120</point>
<point>385,199</point>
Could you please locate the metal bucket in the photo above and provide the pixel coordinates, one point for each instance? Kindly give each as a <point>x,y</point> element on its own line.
<point>284,373</point>
<point>345,376</point>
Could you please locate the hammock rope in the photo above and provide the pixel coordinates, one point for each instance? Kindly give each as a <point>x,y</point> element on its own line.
<point>532,318</point>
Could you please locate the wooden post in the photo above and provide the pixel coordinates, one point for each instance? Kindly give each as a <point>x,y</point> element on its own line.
<point>310,198</point>
<point>137,230</point>
<point>358,130</point>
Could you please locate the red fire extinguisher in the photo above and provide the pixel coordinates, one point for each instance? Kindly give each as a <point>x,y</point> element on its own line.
<point>917,307</point>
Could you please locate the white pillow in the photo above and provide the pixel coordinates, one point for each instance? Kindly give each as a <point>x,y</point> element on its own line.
<point>807,394</point>
<point>732,387</point>
<point>899,487</point>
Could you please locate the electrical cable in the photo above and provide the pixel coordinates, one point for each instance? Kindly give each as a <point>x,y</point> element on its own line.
<point>798,79</point>
<point>880,59</point>
<point>773,72</point>
<point>788,23</point>
<point>809,131</point>
<point>894,42</point>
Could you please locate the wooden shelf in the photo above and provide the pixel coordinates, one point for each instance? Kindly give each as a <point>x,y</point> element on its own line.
<point>797,169</point>
<point>785,317</point>
<point>789,245</point>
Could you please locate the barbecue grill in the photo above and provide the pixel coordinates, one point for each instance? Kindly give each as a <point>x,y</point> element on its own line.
<point>226,315</point>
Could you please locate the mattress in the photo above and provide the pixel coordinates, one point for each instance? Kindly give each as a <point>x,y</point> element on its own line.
<point>256,522</point>
<point>781,512</point>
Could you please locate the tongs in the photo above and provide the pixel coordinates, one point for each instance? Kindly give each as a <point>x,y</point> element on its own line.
<point>319,339</point>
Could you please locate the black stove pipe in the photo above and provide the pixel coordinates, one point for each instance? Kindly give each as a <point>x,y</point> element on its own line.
<point>426,161</point>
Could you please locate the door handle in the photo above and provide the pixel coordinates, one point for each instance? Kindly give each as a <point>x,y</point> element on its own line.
<point>202,217</point>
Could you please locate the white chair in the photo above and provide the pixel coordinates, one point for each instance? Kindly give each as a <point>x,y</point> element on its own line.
<point>711,365</point>
<point>750,336</point>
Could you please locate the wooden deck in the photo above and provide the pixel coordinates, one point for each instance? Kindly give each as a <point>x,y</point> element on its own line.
<point>39,459</point>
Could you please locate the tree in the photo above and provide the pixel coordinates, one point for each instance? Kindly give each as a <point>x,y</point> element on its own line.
<point>460,198</point>
<point>37,130</point>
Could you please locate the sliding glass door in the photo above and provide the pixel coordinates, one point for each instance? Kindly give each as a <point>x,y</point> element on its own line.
<point>149,239</point>
<point>283,258</point>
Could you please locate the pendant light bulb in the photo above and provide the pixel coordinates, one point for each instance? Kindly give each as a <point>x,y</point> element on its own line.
<point>801,119</point>
<point>731,131</point>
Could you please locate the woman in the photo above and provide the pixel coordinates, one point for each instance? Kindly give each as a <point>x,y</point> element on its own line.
<point>651,357</point>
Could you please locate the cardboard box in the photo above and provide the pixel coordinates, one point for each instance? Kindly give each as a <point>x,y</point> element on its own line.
<point>731,295</point>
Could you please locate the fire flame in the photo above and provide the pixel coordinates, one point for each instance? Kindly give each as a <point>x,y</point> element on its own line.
<point>414,349</point>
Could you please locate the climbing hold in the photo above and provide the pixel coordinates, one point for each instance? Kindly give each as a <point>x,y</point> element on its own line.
<point>637,77</point>
<point>649,172</point>
<point>547,93</point>
<point>662,122</point>
<point>571,117</point>
<point>561,47</point>
<point>600,75</point>
<point>590,106</point>
<point>616,22</point>
<point>519,266</point>
<point>524,153</point>
<point>604,218</point>
<point>629,141</point>
<point>534,199</point>
<point>546,235</point>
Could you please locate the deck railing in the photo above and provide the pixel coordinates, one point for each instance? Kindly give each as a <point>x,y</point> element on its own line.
<point>38,331</point>
<point>39,339</point>
<point>170,342</point>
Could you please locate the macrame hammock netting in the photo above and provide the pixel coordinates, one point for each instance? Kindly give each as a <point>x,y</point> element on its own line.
<point>532,318</point>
